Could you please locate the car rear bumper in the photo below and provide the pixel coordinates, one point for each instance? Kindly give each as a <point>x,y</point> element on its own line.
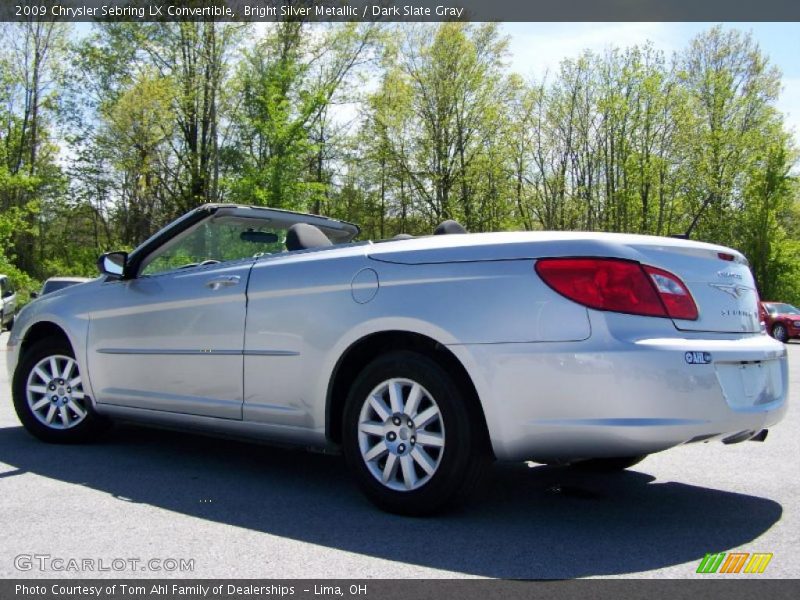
<point>566,401</point>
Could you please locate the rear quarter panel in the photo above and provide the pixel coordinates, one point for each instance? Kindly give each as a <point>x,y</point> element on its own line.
<point>303,315</point>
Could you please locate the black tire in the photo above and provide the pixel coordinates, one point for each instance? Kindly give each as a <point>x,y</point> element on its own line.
<point>608,465</point>
<point>86,430</point>
<point>462,459</point>
<point>780,333</point>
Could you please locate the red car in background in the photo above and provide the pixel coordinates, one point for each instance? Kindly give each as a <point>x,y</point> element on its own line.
<point>782,320</point>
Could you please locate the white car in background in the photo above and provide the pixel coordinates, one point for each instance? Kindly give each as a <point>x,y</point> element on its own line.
<point>8,303</point>
<point>421,358</point>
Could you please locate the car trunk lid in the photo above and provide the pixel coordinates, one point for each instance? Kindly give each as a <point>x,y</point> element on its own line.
<point>719,280</point>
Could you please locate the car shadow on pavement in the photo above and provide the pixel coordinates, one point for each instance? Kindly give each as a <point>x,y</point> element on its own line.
<point>531,523</point>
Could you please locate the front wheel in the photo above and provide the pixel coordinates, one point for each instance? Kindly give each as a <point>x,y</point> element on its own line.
<point>779,332</point>
<point>411,437</point>
<point>608,465</point>
<point>49,396</point>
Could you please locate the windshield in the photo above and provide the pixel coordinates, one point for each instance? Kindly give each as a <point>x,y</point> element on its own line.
<point>217,239</point>
<point>215,233</point>
<point>784,309</point>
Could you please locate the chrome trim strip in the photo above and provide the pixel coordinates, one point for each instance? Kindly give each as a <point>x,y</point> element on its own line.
<point>189,352</point>
<point>167,351</point>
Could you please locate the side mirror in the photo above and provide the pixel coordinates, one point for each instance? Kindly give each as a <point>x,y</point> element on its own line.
<point>34,295</point>
<point>113,264</point>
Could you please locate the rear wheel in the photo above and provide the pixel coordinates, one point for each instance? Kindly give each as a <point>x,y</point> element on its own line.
<point>411,436</point>
<point>779,332</point>
<point>49,396</point>
<point>608,465</point>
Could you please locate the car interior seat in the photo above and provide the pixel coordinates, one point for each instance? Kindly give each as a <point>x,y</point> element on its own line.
<point>302,236</point>
<point>449,226</point>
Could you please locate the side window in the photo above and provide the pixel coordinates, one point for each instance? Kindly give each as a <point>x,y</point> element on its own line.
<point>3,287</point>
<point>216,240</point>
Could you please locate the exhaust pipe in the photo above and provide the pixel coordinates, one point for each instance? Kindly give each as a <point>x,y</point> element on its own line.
<point>744,436</point>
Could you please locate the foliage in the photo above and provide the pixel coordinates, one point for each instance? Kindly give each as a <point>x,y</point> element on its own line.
<point>12,221</point>
<point>104,138</point>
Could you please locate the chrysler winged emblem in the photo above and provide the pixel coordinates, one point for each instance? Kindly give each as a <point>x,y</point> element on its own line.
<point>737,291</point>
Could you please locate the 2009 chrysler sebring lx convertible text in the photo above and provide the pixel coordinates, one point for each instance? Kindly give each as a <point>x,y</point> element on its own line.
<point>420,358</point>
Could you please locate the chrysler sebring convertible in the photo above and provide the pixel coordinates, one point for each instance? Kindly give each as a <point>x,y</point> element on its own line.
<point>420,359</point>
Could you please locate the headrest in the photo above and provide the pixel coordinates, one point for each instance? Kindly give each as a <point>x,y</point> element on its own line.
<point>449,226</point>
<point>302,236</point>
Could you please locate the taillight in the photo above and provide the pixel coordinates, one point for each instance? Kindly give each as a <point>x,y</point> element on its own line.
<point>618,285</point>
<point>676,298</point>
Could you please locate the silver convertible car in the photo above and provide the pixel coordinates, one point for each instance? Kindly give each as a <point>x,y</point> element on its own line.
<point>421,359</point>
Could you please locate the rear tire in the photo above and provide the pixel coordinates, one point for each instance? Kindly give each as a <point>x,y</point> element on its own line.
<point>49,395</point>
<point>608,465</point>
<point>780,333</point>
<point>411,436</point>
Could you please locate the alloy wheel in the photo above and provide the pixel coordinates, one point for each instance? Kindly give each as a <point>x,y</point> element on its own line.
<point>54,391</point>
<point>401,434</point>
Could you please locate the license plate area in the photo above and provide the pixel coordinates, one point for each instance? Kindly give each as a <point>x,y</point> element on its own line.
<point>750,384</point>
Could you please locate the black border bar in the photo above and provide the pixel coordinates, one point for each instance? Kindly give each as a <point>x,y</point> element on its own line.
<point>402,10</point>
<point>706,587</point>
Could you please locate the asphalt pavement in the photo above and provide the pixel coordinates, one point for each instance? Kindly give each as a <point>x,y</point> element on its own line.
<point>142,501</point>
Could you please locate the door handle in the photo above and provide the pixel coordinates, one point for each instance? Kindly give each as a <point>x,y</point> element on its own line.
<point>216,284</point>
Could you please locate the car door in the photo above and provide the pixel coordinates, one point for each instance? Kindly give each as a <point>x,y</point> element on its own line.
<point>171,338</point>
<point>172,342</point>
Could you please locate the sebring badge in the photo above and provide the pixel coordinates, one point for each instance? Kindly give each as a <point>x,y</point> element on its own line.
<point>735,290</point>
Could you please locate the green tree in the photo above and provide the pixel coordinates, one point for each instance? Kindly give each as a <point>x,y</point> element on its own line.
<point>731,86</point>
<point>286,84</point>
